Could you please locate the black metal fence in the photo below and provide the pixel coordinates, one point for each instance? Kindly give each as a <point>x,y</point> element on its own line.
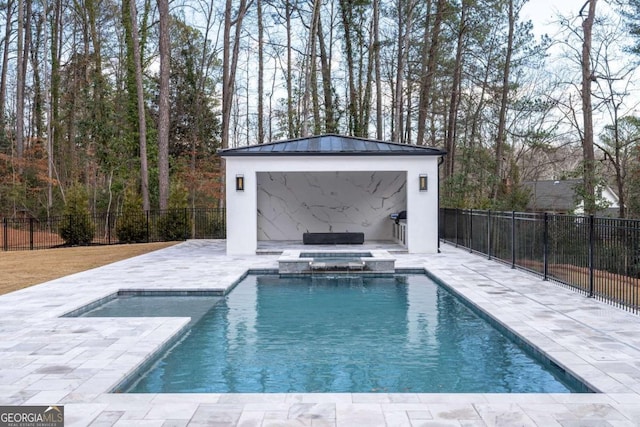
<point>112,228</point>
<point>599,257</point>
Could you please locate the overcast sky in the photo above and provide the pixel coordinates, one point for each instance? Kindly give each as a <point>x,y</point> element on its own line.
<point>544,12</point>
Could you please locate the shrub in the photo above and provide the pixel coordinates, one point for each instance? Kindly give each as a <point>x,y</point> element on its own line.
<point>210,226</point>
<point>77,227</point>
<point>132,226</point>
<point>175,223</point>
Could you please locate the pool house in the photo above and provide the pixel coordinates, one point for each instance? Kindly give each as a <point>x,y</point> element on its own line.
<point>331,189</point>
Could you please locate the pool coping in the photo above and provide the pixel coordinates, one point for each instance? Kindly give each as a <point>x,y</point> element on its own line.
<point>72,361</point>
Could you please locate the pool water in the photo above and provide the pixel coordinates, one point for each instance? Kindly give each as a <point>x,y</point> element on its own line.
<point>353,334</point>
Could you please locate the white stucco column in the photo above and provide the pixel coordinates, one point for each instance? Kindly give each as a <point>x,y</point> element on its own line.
<point>241,209</point>
<point>422,207</point>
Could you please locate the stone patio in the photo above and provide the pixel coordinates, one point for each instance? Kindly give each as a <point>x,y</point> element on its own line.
<point>46,359</point>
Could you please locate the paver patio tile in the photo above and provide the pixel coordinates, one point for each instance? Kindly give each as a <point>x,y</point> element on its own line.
<point>75,361</point>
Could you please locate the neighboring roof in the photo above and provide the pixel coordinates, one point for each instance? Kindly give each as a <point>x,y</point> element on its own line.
<point>561,196</point>
<point>552,195</point>
<point>332,145</point>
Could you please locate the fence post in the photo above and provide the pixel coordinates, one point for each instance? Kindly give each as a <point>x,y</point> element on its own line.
<point>470,230</point>
<point>147,223</point>
<point>186,230</point>
<point>545,247</point>
<point>5,244</point>
<point>455,219</point>
<point>31,234</point>
<point>591,254</point>
<point>513,239</point>
<point>489,233</point>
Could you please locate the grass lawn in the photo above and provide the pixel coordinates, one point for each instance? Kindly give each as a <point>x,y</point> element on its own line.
<point>20,269</point>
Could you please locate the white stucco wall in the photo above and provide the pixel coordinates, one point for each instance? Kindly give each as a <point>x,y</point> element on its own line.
<point>242,206</point>
<point>292,203</point>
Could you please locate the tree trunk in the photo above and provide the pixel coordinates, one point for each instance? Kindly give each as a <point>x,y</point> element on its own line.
<point>5,63</point>
<point>289,78</point>
<point>55,130</point>
<point>376,49</point>
<point>310,72</point>
<point>428,70</point>
<point>20,84</point>
<point>365,107</point>
<point>163,105</point>
<point>230,65</point>
<point>142,121</point>
<point>25,58</point>
<point>37,114</point>
<point>260,74</point>
<point>504,99</point>
<point>475,124</point>
<point>409,109</point>
<point>404,29</point>
<point>396,125</point>
<point>453,101</point>
<point>330,124</point>
<point>352,107</point>
<point>226,69</point>
<point>587,110</point>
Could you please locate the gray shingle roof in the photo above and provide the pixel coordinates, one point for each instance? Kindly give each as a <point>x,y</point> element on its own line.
<point>332,145</point>
<point>553,195</point>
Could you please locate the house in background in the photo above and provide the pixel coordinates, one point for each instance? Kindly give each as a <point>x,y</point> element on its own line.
<point>561,196</point>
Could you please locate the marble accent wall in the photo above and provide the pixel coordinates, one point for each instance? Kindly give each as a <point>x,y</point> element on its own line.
<point>291,203</point>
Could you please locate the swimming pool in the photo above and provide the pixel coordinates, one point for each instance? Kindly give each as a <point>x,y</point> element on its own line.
<point>356,334</point>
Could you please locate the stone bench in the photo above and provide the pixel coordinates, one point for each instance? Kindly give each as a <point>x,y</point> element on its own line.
<point>338,238</point>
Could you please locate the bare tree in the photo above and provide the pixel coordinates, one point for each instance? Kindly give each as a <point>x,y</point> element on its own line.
<point>309,80</point>
<point>289,72</point>
<point>376,54</point>
<point>346,13</point>
<point>230,64</point>
<point>614,85</point>
<point>260,73</point>
<point>587,108</point>
<point>455,91</point>
<point>5,62</point>
<point>163,105</point>
<point>55,130</point>
<point>405,19</point>
<point>430,52</point>
<point>142,122</point>
<point>504,100</point>
<point>20,83</point>
<point>330,124</point>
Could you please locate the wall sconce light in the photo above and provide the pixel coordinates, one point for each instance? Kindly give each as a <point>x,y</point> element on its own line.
<point>422,183</point>
<point>239,182</point>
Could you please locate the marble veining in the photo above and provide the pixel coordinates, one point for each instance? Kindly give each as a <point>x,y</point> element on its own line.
<point>291,203</point>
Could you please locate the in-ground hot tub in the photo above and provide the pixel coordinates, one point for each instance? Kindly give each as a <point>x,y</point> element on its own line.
<point>301,262</point>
